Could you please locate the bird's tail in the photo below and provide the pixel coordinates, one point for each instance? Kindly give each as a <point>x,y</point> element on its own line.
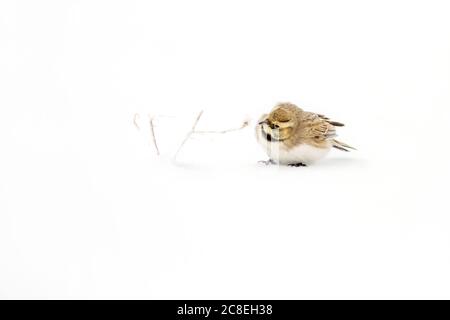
<point>341,146</point>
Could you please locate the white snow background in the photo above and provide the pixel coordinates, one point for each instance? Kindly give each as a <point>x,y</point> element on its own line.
<point>87,210</point>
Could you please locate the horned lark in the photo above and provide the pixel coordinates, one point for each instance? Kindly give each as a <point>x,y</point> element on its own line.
<point>294,137</point>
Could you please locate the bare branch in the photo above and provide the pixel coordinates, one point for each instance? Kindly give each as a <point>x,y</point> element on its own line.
<point>189,134</point>
<point>244,124</point>
<point>136,116</point>
<point>152,131</point>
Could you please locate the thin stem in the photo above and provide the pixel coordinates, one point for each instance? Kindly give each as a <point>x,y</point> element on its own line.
<point>244,124</point>
<point>136,116</point>
<point>189,134</point>
<point>152,131</point>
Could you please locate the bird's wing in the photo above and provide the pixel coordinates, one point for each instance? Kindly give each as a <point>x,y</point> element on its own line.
<point>334,123</point>
<point>317,127</point>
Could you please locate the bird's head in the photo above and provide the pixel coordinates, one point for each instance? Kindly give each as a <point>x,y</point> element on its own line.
<point>281,122</point>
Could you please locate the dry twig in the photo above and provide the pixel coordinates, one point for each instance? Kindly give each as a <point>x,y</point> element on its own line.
<point>189,134</point>
<point>244,124</point>
<point>194,131</point>
<point>136,116</point>
<point>152,131</point>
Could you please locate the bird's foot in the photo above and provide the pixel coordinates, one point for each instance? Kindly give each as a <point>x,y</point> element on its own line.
<point>267,162</point>
<point>297,165</point>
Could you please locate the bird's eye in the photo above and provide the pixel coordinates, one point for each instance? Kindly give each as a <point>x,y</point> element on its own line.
<point>274,126</point>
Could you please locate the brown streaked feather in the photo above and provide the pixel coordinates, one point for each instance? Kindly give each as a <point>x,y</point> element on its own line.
<point>336,124</point>
<point>340,148</point>
<point>341,145</point>
<point>308,127</point>
<point>312,126</point>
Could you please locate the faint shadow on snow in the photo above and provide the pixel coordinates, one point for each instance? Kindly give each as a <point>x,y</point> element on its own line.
<point>342,162</point>
<point>190,165</point>
<point>329,163</point>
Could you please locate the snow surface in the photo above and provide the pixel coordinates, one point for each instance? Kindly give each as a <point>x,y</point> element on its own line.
<point>87,210</point>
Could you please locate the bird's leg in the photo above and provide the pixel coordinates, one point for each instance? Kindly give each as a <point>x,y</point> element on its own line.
<point>297,165</point>
<point>267,162</point>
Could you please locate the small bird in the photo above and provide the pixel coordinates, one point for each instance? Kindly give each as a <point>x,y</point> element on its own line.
<point>294,137</point>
